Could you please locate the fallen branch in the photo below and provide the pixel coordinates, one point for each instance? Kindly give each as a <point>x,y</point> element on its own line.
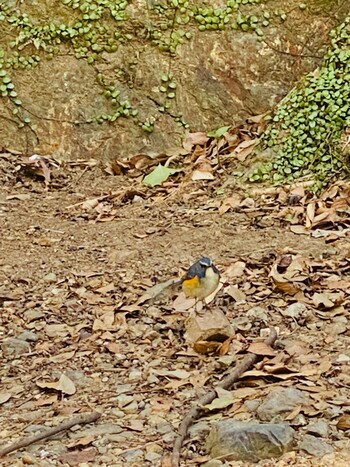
<point>80,420</point>
<point>226,383</point>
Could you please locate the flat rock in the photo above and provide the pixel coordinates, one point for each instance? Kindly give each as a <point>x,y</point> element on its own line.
<point>315,446</point>
<point>133,455</point>
<point>28,336</point>
<point>200,428</point>
<point>51,277</point>
<point>212,325</point>
<point>247,441</point>
<point>281,401</point>
<point>319,428</point>
<point>13,346</point>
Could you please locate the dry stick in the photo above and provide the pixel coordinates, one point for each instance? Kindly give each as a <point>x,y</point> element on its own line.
<point>80,420</point>
<point>226,383</point>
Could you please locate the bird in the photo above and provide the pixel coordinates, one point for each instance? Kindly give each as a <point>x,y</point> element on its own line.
<point>201,279</point>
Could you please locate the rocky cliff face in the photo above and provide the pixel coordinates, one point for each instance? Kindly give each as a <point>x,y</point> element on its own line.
<point>105,79</point>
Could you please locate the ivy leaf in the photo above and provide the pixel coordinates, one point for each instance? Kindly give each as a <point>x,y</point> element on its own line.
<point>37,42</point>
<point>159,175</point>
<point>219,132</point>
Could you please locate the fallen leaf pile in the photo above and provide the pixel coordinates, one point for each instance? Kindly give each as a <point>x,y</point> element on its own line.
<point>91,339</point>
<point>90,321</point>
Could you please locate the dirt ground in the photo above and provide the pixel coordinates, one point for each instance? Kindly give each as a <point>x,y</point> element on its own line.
<point>71,283</point>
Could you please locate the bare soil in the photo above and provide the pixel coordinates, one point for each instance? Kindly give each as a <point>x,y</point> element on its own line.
<point>62,273</point>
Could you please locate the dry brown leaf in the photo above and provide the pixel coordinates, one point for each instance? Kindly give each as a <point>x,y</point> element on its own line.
<point>182,303</point>
<point>206,347</point>
<point>64,385</point>
<point>161,406</point>
<point>46,401</point>
<point>79,457</point>
<point>84,441</point>
<point>62,357</point>
<point>225,346</point>
<point>106,288</point>
<point>285,287</point>
<point>296,411</point>
<point>230,203</point>
<point>57,330</point>
<point>344,422</point>
<point>299,229</point>
<point>200,175</point>
<point>287,273</point>
<point>238,295</point>
<point>178,374</point>
<point>105,322</point>
<point>298,190</point>
<point>260,348</point>
<point>4,397</point>
<point>234,270</point>
<point>244,149</point>
<point>224,400</point>
<point>192,139</point>
<point>338,284</point>
<point>90,203</point>
<point>310,214</point>
<point>323,300</point>
<point>113,347</point>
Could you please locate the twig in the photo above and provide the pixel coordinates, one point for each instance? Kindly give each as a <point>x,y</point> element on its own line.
<point>226,383</point>
<point>80,420</point>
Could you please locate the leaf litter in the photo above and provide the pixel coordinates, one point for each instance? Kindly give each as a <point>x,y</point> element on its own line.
<point>102,333</point>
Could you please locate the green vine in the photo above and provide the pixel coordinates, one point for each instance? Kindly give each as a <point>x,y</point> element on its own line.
<point>305,131</point>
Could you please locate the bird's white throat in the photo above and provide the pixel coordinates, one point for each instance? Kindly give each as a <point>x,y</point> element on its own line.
<point>209,282</point>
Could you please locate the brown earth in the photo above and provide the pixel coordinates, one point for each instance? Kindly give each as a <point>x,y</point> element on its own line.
<point>63,275</point>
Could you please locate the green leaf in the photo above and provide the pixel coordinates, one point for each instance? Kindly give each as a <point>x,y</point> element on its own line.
<point>159,175</point>
<point>219,132</point>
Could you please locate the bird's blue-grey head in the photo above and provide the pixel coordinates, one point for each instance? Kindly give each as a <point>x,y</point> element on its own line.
<point>206,262</point>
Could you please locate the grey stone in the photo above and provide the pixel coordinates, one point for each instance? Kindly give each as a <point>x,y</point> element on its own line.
<point>252,405</point>
<point>258,313</point>
<point>242,323</point>
<point>295,310</point>
<point>246,441</point>
<point>134,455</point>
<point>78,377</point>
<point>35,428</point>
<point>28,336</point>
<point>14,347</point>
<point>51,277</point>
<point>168,438</point>
<point>319,428</point>
<point>315,446</point>
<point>281,401</point>
<point>152,456</point>
<point>135,375</point>
<point>163,428</point>
<point>199,428</point>
<point>131,408</point>
<point>121,438</point>
<point>33,314</point>
<point>124,399</point>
